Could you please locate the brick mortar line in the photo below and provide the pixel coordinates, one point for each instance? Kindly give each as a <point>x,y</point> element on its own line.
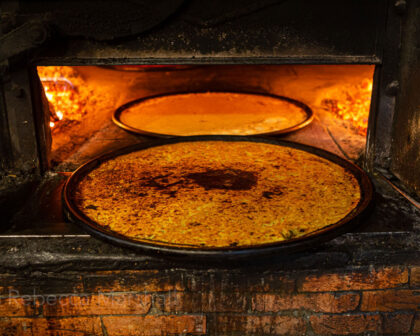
<point>258,314</point>
<point>293,274</point>
<point>402,287</point>
<point>409,275</point>
<point>303,313</point>
<point>413,322</point>
<point>244,293</point>
<point>354,268</point>
<point>305,317</point>
<point>148,292</point>
<point>145,293</point>
<point>292,293</point>
<point>231,272</point>
<point>350,291</point>
<point>104,331</point>
<point>78,294</point>
<point>206,273</point>
<point>374,313</point>
<point>207,324</point>
<point>307,311</point>
<point>59,317</point>
<point>21,316</point>
<point>359,304</point>
<point>365,270</point>
<point>286,312</point>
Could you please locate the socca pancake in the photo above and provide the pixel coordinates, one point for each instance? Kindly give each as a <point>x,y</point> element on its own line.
<point>213,113</point>
<point>217,194</point>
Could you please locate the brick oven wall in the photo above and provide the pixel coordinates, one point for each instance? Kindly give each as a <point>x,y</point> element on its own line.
<point>366,300</point>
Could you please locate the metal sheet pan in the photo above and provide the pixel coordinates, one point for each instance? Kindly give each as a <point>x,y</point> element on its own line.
<point>310,240</point>
<point>309,114</point>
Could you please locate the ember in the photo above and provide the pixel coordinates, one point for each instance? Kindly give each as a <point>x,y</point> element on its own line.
<point>64,90</point>
<point>351,103</point>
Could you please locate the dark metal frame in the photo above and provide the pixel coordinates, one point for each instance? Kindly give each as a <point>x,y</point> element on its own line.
<point>310,240</point>
<point>160,67</point>
<point>304,107</point>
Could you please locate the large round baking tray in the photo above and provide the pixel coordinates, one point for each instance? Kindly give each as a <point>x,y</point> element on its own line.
<point>231,253</point>
<point>116,118</point>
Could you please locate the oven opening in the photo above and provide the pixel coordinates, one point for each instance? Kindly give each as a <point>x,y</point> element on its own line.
<point>82,101</point>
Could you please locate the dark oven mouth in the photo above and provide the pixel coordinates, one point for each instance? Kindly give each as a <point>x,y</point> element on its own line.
<point>92,110</point>
<point>83,117</point>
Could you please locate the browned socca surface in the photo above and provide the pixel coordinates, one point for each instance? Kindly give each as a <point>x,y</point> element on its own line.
<point>217,194</point>
<point>213,113</point>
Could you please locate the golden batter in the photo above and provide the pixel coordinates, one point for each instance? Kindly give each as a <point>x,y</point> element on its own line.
<point>217,194</point>
<point>213,113</point>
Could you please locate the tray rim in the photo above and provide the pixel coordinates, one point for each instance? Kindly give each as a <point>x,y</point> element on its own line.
<point>296,244</point>
<point>117,113</point>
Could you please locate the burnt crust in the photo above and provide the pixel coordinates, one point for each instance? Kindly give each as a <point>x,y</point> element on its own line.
<point>217,194</point>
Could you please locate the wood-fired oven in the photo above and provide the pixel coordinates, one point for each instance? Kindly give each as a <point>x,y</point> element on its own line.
<point>69,68</point>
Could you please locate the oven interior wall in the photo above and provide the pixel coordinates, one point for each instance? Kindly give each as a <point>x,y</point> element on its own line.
<point>89,95</point>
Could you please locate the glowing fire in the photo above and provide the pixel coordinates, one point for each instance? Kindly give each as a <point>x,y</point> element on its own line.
<point>61,86</point>
<point>351,103</point>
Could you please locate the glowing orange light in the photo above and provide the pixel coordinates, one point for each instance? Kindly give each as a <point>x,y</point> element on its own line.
<point>49,95</point>
<point>352,103</point>
<point>62,87</point>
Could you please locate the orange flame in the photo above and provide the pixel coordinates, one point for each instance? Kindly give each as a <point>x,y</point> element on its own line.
<point>351,103</point>
<point>61,86</point>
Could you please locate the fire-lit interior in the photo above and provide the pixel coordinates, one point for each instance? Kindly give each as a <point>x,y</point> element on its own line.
<point>351,102</point>
<point>82,100</point>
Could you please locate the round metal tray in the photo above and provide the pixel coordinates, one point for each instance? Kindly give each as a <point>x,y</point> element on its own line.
<point>309,114</point>
<point>230,253</point>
